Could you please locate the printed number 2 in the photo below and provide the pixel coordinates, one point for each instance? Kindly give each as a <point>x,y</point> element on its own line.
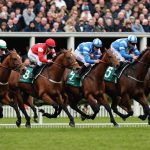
<point>26,75</point>
<point>108,72</point>
<point>72,74</point>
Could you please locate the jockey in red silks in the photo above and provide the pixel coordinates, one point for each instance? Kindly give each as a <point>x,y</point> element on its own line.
<point>38,53</point>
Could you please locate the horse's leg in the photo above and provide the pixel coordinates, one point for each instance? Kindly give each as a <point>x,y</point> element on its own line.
<point>57,111</point>
<point>121,102</point>
<point>27,99</point>
<point>22,108</point>
<point>46,98</point>
<point>143,101</point>
<point>6,100</point>
<point>30,104</point>
<point>1,111</point>
<point>94,105</point>
<point>103,101</point>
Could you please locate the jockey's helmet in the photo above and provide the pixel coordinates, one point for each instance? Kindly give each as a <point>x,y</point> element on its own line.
<point>132,39</point>
<point>3,44</point>
<point>50,42</point>
<point>97,43</point>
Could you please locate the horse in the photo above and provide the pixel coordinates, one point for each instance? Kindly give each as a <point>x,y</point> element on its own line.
<point>129,86</point>
<point>92,89</point>
<point>11,62</point>
<point>48,85</point>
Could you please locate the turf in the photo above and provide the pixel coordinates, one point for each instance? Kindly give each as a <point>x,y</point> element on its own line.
<point>108,138</point>
<point>75,139</point>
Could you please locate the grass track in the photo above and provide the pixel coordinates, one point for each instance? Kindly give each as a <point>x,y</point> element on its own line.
<point>75,138</point>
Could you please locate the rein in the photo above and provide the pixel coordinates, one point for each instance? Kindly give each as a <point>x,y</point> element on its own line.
<point>131,77</point>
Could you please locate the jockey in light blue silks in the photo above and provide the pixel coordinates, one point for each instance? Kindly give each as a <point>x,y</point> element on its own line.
<point>125,49</point>
<point>88,53</point>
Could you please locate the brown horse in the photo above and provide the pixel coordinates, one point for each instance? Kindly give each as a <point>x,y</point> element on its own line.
<point>12,61</point>
<point>48,86</point>
<point>92,89</point>
<point>130,85</point>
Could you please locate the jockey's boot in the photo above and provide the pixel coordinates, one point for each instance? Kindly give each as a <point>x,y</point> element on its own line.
<point>34,71</point>
<point>121,64</point>
<point>81,72</point>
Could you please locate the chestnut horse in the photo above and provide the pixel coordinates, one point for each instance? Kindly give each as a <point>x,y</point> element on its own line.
<point>48,86</point>
<point>12,61</point>
<point>92,89</point>
<point>129,86</point>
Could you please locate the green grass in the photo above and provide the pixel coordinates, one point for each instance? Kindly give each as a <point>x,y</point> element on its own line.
<point>75,139</point>
<point>108,138</point>
<point>77,120</point>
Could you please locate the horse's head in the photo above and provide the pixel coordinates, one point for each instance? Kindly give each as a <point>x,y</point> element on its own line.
<point>68,60</point>
<point>144,57</point>
<point>14,62</point>
<point>110,58</point>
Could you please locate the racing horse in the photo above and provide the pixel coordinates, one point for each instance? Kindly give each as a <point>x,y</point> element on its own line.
<point>92,89</point>
<point>48,86</point>
<point>11,61</point>
<point>129,86</point>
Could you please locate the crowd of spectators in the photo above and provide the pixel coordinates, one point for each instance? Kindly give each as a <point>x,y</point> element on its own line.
<point>74,16</point>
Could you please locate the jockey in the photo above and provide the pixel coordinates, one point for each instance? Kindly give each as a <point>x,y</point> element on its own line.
<point>38,53</point>
<point>125,49</point>
<point>88,53</point>
<point>3,47</point>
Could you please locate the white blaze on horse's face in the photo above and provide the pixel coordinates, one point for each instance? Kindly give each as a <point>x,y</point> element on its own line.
<point>18,56</point>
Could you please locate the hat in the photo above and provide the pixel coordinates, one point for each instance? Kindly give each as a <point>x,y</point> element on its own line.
<point>86,8</point>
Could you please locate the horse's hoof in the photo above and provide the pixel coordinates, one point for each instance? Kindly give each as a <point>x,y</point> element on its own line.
<point>35,121</point>
<point>1,115</point>
<point>72,124</point>
<point>83,118</point>
<point>18,123</point>
<point>42,111</point>
<point>142,117</point>
<point>116,125</point>
<point>124,119</point>
<point>28,125</point>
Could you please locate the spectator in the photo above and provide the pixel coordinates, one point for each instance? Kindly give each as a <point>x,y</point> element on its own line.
<point>109,25</point>
<point>60,3</point>
<point>128,11</point>
<point>42,24</point>
<point>117,25</point>
<point>31,27</point>
<point>79,26</point>
<point>10,26</point>
<point>28,15</point>
<point>137,27</point>
<point>69,26</point>
<point>91,26</point>
<point>56,27</point>
<point>127,26</point>
<point>3,27</point>
<point>86,13</point>
<point>100,26</point>
<point>145,25</point>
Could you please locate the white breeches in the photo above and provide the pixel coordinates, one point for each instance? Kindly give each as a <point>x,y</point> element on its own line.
<point>80,58</point>
<point>34,58</point>
<point>117,54</point>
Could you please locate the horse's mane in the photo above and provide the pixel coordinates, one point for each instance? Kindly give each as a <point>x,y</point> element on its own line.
<point>141,54</point>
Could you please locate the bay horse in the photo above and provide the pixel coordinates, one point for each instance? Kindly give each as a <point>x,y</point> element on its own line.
<point>92,89</point>
<point>11,61</point>
<point>48,86</point>
<point>129,86</point>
